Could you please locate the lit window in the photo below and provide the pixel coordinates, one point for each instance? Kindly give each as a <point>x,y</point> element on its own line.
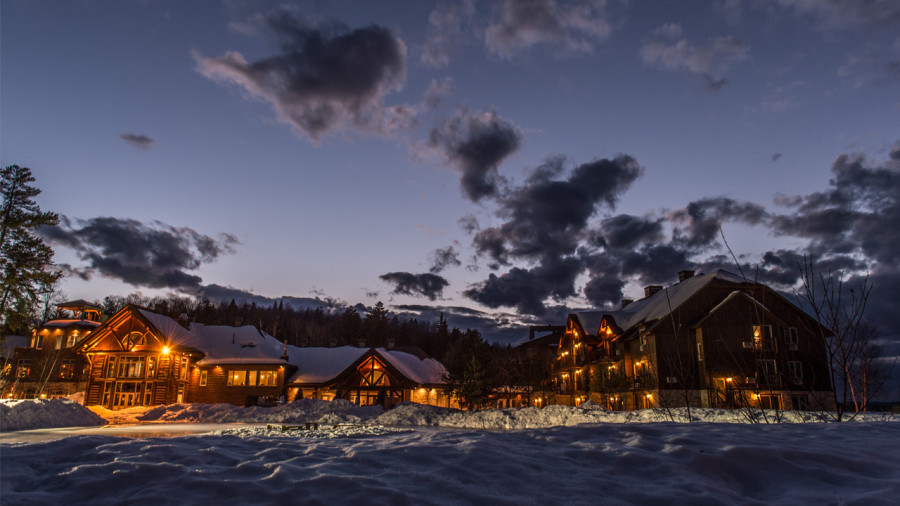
<point>268,378</point>
<point>38,342</point>
<point>373,373</point>
<point>184,368</point>
<point>131,367</point>
<point>71,340</point>
<point>237,378</point>
<point>203,378</point>
<point>67,369</point>
<point>23,368</point>
<point>111,367</point>
<point>762,338</point>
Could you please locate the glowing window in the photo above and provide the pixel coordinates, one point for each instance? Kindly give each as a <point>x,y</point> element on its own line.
<point>268,378</point>
<point>237,378</point>
<point>373,373</point>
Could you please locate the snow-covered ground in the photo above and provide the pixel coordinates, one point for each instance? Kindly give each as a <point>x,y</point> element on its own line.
<point>424,455</point>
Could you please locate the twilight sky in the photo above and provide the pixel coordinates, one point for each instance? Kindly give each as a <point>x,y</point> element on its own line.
<point>503,162</point>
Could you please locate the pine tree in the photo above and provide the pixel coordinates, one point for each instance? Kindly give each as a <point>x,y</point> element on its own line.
<point>25,260</point>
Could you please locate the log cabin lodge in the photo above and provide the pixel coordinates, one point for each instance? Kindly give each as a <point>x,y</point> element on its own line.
<point>140,358</point>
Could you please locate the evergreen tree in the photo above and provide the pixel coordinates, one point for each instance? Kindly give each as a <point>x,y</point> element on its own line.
<point>24,258</point>
<point>471,374</point>
<point>376,326</point>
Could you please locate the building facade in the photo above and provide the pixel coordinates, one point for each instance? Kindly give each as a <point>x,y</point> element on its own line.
<point>140,358</point>
<point>50,365</point>
<point>714,340</point>
<point>367,376</point>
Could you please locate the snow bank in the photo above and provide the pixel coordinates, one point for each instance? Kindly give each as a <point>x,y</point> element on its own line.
<point>21,414</point>
<point>37,414</point>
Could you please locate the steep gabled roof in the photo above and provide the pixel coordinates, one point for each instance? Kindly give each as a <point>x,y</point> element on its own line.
<point>220,344</point>
<point>318,366</point>
<point>732,296</point>
<point>658,305</point>
<point>422,371</point>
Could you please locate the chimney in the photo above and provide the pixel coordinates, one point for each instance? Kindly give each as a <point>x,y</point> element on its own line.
<point>682,275</point>
<point>362,342</point>
<point>651,289</point>
<point>625,302</point>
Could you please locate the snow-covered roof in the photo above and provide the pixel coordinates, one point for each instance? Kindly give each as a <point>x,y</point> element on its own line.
<point>590,321</point>
<point>657,305</point>
<point>422,371</point>
<point>219,343</point>
<point>70,322</point>
<point>321,365</point>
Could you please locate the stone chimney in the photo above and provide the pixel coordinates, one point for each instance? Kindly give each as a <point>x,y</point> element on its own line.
<point>651,289</point>
<point>682,275</point>
<point>625,302</point>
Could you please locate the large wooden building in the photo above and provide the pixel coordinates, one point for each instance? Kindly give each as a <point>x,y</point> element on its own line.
<point>713,340</point>
<point>50,365</point>
<point>140,358</point>
<point>366,376</point>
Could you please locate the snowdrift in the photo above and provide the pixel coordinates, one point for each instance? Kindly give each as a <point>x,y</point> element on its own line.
<point>20,414</point>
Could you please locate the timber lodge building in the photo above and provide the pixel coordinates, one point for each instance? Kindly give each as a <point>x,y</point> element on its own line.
<point>140,358</point>
<point>712,340</point>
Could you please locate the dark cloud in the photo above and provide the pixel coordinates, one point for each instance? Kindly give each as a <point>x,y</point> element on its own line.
<point>141,142</point>
<point>547,217</point>
<point>775,157</point>
<point>476,144</point>
<point>324,79</point>
<point>425,284</point>
<point>545,221</point>
<point>604,290</point>
<point>154,255</point>
<point>669,50</point>
<point>655,264</point>
<point>442,258</point>
<point>562,26</point>
<point>859,212</point>
<point>626,231</point>
<point>701,220</point>
<point>528,289</point>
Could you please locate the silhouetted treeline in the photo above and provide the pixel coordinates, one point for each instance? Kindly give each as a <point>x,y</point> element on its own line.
<point>333,326</point>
